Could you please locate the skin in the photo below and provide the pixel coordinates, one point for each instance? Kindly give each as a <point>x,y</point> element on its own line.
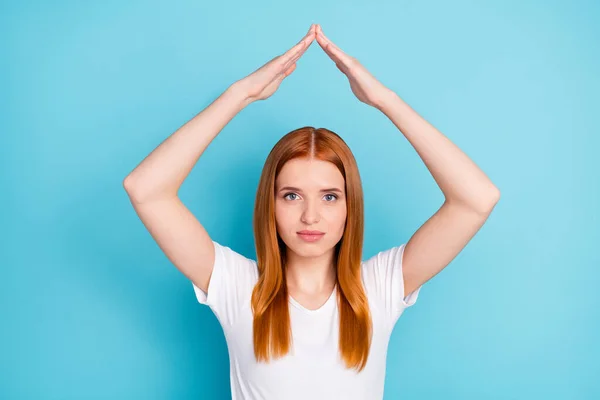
<point>310,270</point>
<point>470,196</point>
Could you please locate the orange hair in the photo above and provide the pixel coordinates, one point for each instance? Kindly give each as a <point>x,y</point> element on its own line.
<point>271,327</point>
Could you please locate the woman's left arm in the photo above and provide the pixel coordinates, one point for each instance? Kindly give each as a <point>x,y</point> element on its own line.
<point>469,194</point>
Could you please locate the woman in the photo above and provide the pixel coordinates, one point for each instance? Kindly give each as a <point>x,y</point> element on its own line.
<point>308,319</point>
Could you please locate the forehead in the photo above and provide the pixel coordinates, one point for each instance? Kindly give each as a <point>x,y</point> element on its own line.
<point>309,174</point>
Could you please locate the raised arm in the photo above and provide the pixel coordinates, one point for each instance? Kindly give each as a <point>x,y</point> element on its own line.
<point>470,194</point>
<point>153,185</point>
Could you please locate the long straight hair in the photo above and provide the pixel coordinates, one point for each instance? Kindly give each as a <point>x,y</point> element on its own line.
<point>272,332</point>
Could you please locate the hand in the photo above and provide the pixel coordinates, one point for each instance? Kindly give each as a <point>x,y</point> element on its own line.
<point>263,82</point>
<point>364,85</point>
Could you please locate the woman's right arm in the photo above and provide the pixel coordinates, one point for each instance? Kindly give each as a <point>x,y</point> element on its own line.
<point>162,172</point>
<point>153,185</point>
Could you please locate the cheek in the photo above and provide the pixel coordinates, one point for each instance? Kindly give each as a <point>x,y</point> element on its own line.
<point>336,217</point>
<point>283,218</point>
<point>341,219</point>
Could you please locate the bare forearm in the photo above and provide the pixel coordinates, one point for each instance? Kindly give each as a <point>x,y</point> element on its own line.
<point>456,174</point>
<point>163,171</point>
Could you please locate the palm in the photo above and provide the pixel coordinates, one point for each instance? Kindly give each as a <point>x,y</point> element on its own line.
<point>265,81</point>
<point>364,85</point>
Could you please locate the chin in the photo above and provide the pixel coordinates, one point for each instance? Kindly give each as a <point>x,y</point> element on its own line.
<point>308,253</point>
<point>312,249</point>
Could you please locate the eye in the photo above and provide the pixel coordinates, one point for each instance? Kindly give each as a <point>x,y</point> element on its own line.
<point>287,194</point>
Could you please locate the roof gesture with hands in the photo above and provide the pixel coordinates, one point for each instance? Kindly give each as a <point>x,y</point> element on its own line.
<point>263,82</point>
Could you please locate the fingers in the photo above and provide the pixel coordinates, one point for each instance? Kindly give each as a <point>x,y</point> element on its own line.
<point>292,58</point>
<point>280,77</point>
<point>290,70</point>
<point>296,53</point>
<point>328,46</point>
<point>292,55</point>
<point>341,59</point>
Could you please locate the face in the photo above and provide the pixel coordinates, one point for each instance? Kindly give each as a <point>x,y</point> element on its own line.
<point>310,195</point>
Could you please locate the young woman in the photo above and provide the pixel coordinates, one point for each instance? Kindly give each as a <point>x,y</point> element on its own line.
<point>308,319</point>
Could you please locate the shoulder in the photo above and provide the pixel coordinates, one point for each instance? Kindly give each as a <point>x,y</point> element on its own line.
<point>227,254</point>
<point>382,262</point>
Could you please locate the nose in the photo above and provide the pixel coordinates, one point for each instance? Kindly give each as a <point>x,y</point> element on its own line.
<point>310,214</point>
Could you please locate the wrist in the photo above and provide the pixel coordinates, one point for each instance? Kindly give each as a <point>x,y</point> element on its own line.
<point>237,92</point>
<point>387,98</point>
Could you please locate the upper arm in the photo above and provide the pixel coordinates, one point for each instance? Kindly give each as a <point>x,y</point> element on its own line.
<point>438,241</point>
<point>180,236</point>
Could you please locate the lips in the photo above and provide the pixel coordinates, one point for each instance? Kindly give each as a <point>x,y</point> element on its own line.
<point>310,236</point>
<point>307,232</point>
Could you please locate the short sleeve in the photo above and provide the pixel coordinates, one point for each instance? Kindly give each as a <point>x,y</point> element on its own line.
<point>230,286</point>
<point>384,283</point>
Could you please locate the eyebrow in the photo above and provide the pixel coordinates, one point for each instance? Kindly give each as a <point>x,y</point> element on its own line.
<point>300,190</point>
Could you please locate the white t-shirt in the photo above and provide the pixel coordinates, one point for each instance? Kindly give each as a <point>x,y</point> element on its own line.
<point>313,369</point>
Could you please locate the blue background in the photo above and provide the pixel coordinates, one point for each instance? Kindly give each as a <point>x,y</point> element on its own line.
<point>92,309</point>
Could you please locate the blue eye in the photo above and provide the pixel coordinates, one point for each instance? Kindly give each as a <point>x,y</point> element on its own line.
<point>285,196</point>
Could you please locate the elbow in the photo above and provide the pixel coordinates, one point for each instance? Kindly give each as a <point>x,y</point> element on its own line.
<point>494,196</point>
<point>127,184</point>
<point>132,191</point>
<point>139,193</point>
<point>482,204</point>
<point>489,201</point>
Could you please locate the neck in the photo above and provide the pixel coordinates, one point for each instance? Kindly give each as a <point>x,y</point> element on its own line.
<point>310,274</point>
